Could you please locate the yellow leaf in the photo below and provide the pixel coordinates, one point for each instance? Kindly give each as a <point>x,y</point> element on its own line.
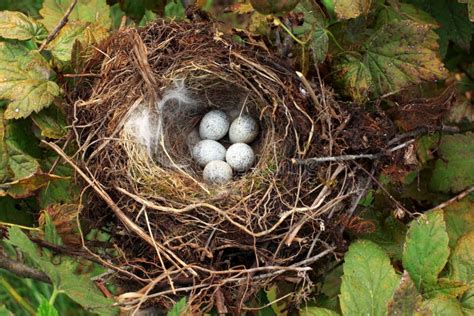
<point>16,25</point>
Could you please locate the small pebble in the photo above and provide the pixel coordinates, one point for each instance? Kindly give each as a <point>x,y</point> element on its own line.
<point>240,157</point>
<point>214,125</point>
<point>208,150</point>
<point>244,129</point>
<point>217,172</point>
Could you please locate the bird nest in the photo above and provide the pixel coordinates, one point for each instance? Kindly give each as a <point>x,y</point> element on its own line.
<point>143,93</point>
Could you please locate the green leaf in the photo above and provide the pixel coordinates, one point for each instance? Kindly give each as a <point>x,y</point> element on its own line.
<point>459,218</point>
<point>17,211</point>
<point>78,287</point>
<point>45,309</point>
<point>319,44</point>
<point>16,25</point>
<point>178,308</point>
<point>355,77</point>
<point>398,54</point>
<point>467,301</point>
<point>349,9</point>
<point>454,20</point>
<point>369,280</point>
<point>51,121</point>
<point>148,17</point>
<point>29,7</point>
<point>22,149</point>
<point>24,80</point>
<point>453,172</point>
<point>174,9</point>
<point>4,172</point>
<point>318,311</point>
<point>447,287</point>
<point>426,249</point>
<point>389,232</point>
<point>405,11</point>
<point>406,300</point>
<point>26,186</point>
<point>61,190</point>
<point>93,11</point>
<point>262,300</point>
<point>50,233</point>
<point>5,312</point>
<point>136,9</point>
<point>61,47</point>
<point>443,306</point>
<point>462,259</point>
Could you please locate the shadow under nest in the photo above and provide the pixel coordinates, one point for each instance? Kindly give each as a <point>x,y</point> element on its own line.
<point>177,234</point>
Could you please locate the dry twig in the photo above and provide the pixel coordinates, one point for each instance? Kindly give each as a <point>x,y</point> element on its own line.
<point>59,26</point>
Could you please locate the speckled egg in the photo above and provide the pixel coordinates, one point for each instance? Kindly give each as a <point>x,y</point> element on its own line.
<point>217,172</point>
<point>240,157</point>
<point>244,129</point>
<point>208,150</point>
<point>214,125</point>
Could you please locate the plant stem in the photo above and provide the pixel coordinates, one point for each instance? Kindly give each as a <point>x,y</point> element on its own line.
<point>277,22</point>
<point>334,40</point>
<point>16,296</point>
<point>20,226</point>
<point>54,295</point>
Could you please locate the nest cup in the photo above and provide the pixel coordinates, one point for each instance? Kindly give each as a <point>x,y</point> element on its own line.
<point>132,120</point>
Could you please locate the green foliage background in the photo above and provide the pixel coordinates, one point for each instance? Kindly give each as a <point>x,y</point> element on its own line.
<point>405,266</point>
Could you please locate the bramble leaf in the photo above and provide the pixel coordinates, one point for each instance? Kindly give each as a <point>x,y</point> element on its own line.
<point>78,287</point>
<point>406,300</point>
<point>443,305</point>
<point>318,311</point>
<point>178,308</point>
<point>319,44</point>
<point>88,33</point>
<point>467,301</point>
<point>26,186</point>
<point>349,9</point>
<point>462,259</point>
<point>355,77</point>
<point>51,121</point>
<point>447,287</point>
<point>405,11</point>
<point>22,148</point>
<point>16,25</point>
<point>4,172</point>
<point>454,20</point>
<point>46,309</point>
<point>93,11</point>
<point>369,280</point>
<point>398,54</point>
<point>24,80</point>
<point>453,172</point>
<point>459,219</point>
<point>426,249</point>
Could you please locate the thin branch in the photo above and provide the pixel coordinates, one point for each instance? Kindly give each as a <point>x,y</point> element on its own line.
<point>354,157</point>
<point>22,270</point>
<point>59,26</point>
<point>454,199</point>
